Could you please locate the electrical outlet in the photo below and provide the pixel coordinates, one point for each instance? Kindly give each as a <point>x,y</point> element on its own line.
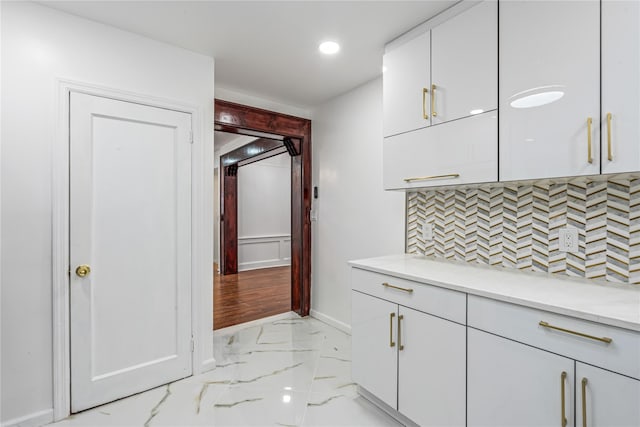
<point>427,231</point>
<point>568,240</point>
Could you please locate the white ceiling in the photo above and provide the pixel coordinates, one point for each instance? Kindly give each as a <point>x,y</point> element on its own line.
<point>225,141</point>
<point>269,48</point>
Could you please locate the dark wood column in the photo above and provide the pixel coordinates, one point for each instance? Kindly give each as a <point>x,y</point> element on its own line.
<point>229,219</point>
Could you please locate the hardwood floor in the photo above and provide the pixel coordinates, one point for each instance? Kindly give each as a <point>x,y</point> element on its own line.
<point>250,295</point>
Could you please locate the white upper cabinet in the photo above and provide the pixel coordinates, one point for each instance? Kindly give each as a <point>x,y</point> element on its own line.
<point>549,98</point>
<point>436,77</point>
<point>464,64</point>
<point>459,152</point>
<point>406,80</point>
<point>620,86</point>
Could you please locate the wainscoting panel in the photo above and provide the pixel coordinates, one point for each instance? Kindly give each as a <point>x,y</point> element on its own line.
<point>517,226</point>
<point>263,251</point>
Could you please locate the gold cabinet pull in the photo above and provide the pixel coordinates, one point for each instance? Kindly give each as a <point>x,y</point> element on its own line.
<point>563,379</point>
<point>584,402</point>
<point>424,100</point>
<point>386,285</point>
<point>400,345</point>
<point>83,270</point>
<point>609,152</point>
<point>569,331</point>
<point>391,343</point>
<point>589,154</point>
<point>427,178</point>
<point>433,101</point>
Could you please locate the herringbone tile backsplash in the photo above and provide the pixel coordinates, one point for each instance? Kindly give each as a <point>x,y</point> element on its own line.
<point>516,226</point>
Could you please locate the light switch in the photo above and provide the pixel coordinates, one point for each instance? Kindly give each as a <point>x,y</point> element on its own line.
<point>427,231</point>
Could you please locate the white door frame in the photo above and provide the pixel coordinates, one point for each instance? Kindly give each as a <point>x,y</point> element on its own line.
<point>201,235</point>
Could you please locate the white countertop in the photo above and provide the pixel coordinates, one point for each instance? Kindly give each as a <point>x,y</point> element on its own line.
<point>610,304</point>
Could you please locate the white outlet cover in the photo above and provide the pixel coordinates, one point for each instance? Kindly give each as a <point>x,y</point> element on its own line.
<point>568,240</point>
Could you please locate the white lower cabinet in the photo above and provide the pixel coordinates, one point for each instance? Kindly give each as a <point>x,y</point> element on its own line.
<point>512,384</point>
<point>516,356</point>
<point>440,357</point>
<point>431,369</point>
<point>605,398</point>
<point>412,361</point>
<point>373,346</point>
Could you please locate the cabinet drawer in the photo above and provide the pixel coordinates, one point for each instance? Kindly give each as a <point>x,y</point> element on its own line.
<point>522,324</point>
<point>437,301</point>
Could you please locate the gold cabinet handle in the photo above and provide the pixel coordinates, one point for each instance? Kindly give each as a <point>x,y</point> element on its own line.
<point>391,343</point>
<point>400,345</point>
<point>589,154</point>
<point>386,285</point>
<point>609,152</point>
<point>83,270</point>
<point>424,100</point>
<point>433,101</point>
<point>584,402</point>
<point>427,178</point>
<point>569,331</point>
<point>563,419</point>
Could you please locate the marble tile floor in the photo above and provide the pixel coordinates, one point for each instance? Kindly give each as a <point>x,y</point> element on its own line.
<point>282,371</point>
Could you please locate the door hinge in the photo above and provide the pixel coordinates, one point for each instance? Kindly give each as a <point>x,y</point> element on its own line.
<point>191,137</point>
<point>193,345</point>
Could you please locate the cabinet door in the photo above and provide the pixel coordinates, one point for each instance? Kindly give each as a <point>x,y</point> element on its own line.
<point>374,346</point>
<point>610,399</point>
<point>512,384</point>
<point>549,89</point>
<point>431,369</point>
<point>464,64</point>
<point>458,152</point>
<point>620,86</point>
<point>406,77</point>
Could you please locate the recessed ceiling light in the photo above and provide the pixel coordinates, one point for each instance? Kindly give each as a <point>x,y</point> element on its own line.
<point>329,48</point>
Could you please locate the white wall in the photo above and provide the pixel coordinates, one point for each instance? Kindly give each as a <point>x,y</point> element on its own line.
<point>255,101</point>
<point>264,213</point>
<point>40,45</point>
<point>356,218</point>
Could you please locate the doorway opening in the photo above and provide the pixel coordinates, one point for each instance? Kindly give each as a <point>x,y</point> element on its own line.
<point>262,285</point>
<point>272,134</point>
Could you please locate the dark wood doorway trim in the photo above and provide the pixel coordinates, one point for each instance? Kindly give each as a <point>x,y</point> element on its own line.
<point>269,125</point>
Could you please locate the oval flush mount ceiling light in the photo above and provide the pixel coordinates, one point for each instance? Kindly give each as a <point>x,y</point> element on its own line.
<point>329,47</point>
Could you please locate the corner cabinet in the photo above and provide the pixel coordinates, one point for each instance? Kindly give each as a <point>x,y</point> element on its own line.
<point>438,82</point>
<point>411,360</point>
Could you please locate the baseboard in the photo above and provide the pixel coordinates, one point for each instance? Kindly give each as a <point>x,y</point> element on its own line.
<point>207,365</point>
<point>36,419</point>
<point>257,265</point>
<point>331,321</point>
<point>386,408</point>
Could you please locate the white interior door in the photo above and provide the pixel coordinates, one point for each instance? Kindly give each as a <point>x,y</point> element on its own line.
<point>130,222</point>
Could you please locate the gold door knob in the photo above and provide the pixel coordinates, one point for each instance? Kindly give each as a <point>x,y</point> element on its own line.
<point>83,270</point>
